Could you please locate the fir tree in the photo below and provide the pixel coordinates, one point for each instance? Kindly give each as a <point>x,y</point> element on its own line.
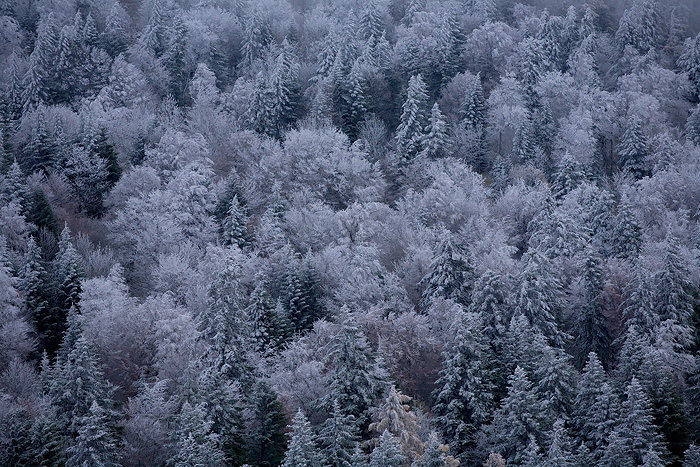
<point>234,225</point>
<point>96,444</point>
<point>196,444</point>
<point>592,333</point>
<point>436,143</point>
<point>339,439</point>
<point>692,126</point>
<point>626,235</point>
<point>692,456</point>
<point>640,26</point>
<point>41,152</point>
<point>414,119</point>
<point>464,391</point>
<point>387,453</point>
<point>302,295</point>
<point>559,454</point>
<point>451,275</point>
<point>267,443</point>
<point>569,176</point>
<point>355,382</point>
<point>271,328</point>
<point>634,150</point>
<point>516,420</point>
<point>524,148</point>
<point>302,450</point>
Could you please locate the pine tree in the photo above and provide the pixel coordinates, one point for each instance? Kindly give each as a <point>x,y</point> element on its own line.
<point>395,415</point>
<point>640,26</point>
<point>32,283</point>
<point>339,439</point>
<point>267,442</point>
<point>38,81</point>
<point>302,295</point>
<point>271,328</point>
<point>524,148</point>
<point>436,143</point>
<point>495,460</point>
<point>234,225</point>
<point>689,62</point>
<point>387,453</point>
<point>355,383</point>
<point>42,151</point>
<point>451,276</point>
<point>692,126</point>
<point>537,297</point>
<point>569,176</point>
<point>224,327</point>
<point>516,421</point>
<point>626,235</point>
<point>634,150</point>
<point>101,147</point>
<point>596,407</point>
<point>196,444</point>
<point>637,429</point>
<point>302,450</point>
<point>692,456</point>
<point>96,444</point>
<point>673,300</point>
<point>592,333</point>
<point>464,390</point>
<point>114,39</point>
<point>554,381</point>
<point>559,454</point>
<point>414,119</point>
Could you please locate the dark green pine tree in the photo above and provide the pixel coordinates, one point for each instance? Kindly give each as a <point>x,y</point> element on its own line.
<point>634,150</point>
<point>195,443</point>
<point>472,113</point>
<point>524,148</point>
<point>96,444</point>
<point>596,408</point>
<point>591,333</point>
<point>560,453</point>
<point>302,295</point>
<point>114,37</point>
<point>175,59</point>
<point>452,275</point>
<point>38,212</point>
<point>224,326</point>
<point>691,457</point>
<point>356,382</point>
<point>636,429</point>
<point>302,450</point>
<point>32,283</point>
<point>339,438</point>
<point>673,299</point>
<point>464,390</point>
<point>414,119</point>
<point>437,143</point>
<point>554,382</point>
<point>267,444</point>
<point>39,79</point>
<point>517,419</point>
<point>569,176</point>
<point>234,225</point>
<point>101,147</point>
<point>692,126</point>
<point>626,235</point>
<point>271,328</point>
<point>434,454</point>
<point>41,153</point>
<point>387,453</point>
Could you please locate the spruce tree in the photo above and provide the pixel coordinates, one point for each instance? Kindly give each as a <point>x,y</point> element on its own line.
<point>302,450</point>
<point>692,456</point>
<point>267,443</point>
<point>451,275</point>
<point>569,176</point>
<point>692,126</point>
<point>387,453</point>
<point>414,119</point>
<point>516,420</point>
<point>96,444</point>
<point>195,443</point>
<point>591,334</point>
<point>395,415</point>
<point>634,150</point>
<point>559,454</point>
<point>626,235</point>
<point>436,143</point>
<point>338,438</point>
<point>464,390</point>
<point>355,382</point>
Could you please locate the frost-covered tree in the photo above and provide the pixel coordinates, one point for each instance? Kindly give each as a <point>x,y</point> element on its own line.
<point>414,119</point>
<point>267,444</point>
<point>339,439</point>
<point>387,453</point>
<point>451,274</point>
<point>436,143</point>
<point>634,149</point>
<point>640,26</point>
<point>196,444</point>
<point>302,450</point>
<point>464,391</point>
<point>96,444</point>
<point>395,415</point>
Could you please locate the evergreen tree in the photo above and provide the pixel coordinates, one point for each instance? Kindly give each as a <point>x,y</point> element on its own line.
<point>592,333</point>
<point>689,62</point>
<point>302,295</point>
<point>96,444</point>
<point>436,142</point>
<point>554,378</point>
<point>524,148</point>
<point>569,176</point>
<point>38,82</point>
<point>267,442</point>
<point>355,383</point>
<point>634,150</point>
<point>114,38</point>
<point>692,456</point>
<point>452,274</point>
<point>516,420</point>
<point>435,454</point>
<point>636,428</point>
<point>339,439</point>
<point>42,151</point>
<point>271,328</point>
<point>464,390</point>
<point>234,225</point>
<point>626,235</point>
<point>673,300</point>
<point>559,454</point>
<point>224,326</point>
<point>537,297</point>
<point>692,126</point>
<point>640,26</point>
<point>196,444</point>
<point>302,450</point>
<point>414,119</point>
<point>32,283</point>
<point>395,415</point>
<point>387,453</point>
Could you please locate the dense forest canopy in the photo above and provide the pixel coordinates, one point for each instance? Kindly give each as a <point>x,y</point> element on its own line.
<point>349,233</point>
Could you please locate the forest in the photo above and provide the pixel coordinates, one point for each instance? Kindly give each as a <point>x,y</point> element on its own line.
<point>349,233</point>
